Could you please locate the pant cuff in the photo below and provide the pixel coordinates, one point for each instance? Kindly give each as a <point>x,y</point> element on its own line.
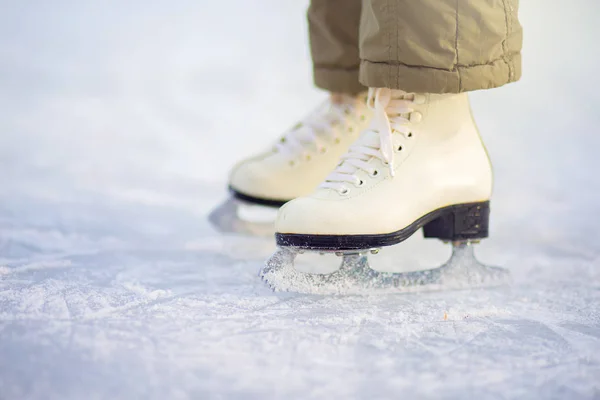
<point>418,79</point>
<point>338,80</point>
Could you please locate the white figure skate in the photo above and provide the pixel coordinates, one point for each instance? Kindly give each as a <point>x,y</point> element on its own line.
<point>293,167</point>
<point>421,164</point>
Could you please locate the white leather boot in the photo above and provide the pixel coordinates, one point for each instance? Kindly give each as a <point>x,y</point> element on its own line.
<point>420,164</point>
<point>294,166</point>
<point>304,156</point>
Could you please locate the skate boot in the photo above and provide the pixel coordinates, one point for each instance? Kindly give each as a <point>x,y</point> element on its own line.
<point>294,166</point>
<point>421,164</point>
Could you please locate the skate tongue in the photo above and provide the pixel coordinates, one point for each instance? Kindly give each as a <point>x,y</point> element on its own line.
<point>320,120</point>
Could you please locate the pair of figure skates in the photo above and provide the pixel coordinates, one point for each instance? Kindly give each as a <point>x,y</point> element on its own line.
<point>365,172</point>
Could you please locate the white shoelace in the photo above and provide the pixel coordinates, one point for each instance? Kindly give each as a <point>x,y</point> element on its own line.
<point>391,114</point>
<point>316,131</point>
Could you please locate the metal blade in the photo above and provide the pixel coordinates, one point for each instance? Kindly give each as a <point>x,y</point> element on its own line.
<point>355,275</point>
<point>225,218</point>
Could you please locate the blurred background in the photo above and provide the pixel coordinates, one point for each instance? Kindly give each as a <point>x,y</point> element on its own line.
<point>119,121</point>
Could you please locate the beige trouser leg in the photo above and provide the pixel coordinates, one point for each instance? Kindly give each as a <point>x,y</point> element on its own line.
<point>434,46</point>
<point>333,29</point>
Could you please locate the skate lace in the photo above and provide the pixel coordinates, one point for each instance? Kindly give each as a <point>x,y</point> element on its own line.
<point>391,110</point>
<point>316,131</point>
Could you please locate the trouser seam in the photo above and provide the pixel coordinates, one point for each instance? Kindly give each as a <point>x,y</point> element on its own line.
<point>508,34</point>
<point>505,56</point>
<point>455,68</point>
<point>389,35</point>
<point>456,50</point>
<point>397,45</point>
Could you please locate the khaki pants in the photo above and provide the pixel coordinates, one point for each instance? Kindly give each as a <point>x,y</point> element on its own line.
<point>425,46</point>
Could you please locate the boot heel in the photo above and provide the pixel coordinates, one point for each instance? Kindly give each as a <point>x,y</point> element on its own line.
<point>460,222</point>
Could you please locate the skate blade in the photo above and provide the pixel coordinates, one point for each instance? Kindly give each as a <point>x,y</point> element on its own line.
<point>227,218</point>
<point>461,271</point>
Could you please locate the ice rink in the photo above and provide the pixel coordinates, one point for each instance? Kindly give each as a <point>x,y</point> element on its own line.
<point>119,121</point>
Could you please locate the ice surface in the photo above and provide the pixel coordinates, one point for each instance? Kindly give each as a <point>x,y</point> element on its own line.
<point>118,123</point>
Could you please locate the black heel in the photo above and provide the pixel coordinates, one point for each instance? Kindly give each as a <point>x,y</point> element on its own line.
<point>461,222</point>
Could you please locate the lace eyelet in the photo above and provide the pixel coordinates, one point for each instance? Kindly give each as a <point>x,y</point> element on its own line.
<point>350,129</point>
<point>363,117</point>
<point>337,140</point>
<point>308,157</point>
<point>344,191</point>
<point>374,173</point>
<point>359,183</point>
<point>323,150</point>
<point>292,163</point>
<point>409,134</point>
<point>399,148</point>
